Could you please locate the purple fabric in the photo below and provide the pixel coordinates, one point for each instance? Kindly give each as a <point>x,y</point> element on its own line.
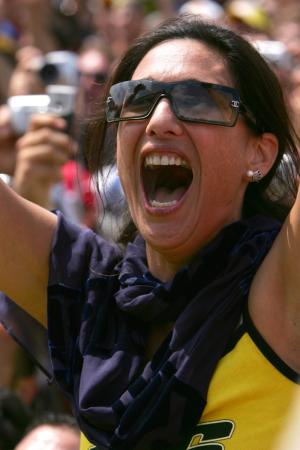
<point>101,305</point>
<point>27,332</point>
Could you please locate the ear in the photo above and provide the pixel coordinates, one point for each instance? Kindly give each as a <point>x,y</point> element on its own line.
<point>263,153</point>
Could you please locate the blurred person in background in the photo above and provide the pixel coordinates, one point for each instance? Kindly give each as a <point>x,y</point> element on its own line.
<point>290,437</point>
<point>15,417</point>
<point>127,21</point>
<point>18,372</point>
<point>94,64</point>
<point>119,22</point>
<point>248,17</point>
<point>43,24</point>
<point>33,161</point>
<point>8,46</point>
<point>23,377</point>
<point>43,165</point>
<point>39,24</point>
<point>274,30</point>
<point>31,20</point>
<point>286,18</point>
<point>51,432</point>
<point>207,9</point>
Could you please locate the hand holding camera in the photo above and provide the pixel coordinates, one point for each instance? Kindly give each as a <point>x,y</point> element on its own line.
<point>39,124</point>
<point>41,153</point>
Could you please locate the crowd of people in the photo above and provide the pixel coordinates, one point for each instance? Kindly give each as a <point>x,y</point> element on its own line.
<point>65,53</point>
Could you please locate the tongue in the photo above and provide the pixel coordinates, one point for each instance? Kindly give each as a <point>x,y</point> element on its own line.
<point>164,195</point>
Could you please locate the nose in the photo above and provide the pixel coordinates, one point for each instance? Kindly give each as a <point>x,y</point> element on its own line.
<point>163,120</point>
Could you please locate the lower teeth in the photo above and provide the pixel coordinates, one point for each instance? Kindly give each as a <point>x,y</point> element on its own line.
<point>162,204</point>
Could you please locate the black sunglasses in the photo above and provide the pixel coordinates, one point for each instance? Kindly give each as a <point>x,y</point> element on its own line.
<point>191,101</point>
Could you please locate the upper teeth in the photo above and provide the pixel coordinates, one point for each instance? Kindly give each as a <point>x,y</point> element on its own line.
<point>164,160</point>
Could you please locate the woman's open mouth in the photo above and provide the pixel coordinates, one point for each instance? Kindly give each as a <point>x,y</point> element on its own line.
<point>166,178</point>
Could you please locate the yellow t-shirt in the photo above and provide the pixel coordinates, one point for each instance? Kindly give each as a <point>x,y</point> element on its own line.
<point>85,444</point>
<point>249,399</point>
<point>248,402</point>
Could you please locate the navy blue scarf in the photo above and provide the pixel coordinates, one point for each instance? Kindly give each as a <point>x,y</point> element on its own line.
<point>124,403</point>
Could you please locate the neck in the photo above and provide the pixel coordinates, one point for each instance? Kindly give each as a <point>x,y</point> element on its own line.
<point>160,266</point>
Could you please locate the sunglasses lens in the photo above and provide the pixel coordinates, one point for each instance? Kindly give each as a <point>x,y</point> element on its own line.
<point>201,103</point>
<point>138,104</point>
<point>115,101</point>
<point>129,100</point>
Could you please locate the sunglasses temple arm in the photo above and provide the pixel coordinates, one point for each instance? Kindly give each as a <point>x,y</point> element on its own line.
<point>250,118</point>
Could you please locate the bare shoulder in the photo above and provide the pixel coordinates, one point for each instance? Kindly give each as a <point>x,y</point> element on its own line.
<point>274,299</point>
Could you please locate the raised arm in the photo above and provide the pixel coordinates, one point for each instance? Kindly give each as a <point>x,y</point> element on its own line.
<point>290,265</point>
<point>275,294</point>
<point>26,232</point>
<point>26,229</point>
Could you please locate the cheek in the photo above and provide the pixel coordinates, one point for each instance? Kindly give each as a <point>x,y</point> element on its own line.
<point>223,165</point>
<point>125,160</point>
<point>122,170</point>
<point>118,156</point>
<point>122,156</point>
<point>129,135</point>
<point>125,143</point>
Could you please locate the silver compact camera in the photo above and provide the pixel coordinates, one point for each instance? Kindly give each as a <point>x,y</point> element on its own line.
<point>58,100</point>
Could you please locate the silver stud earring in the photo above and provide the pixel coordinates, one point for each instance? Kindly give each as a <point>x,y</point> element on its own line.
<point>254,175</point>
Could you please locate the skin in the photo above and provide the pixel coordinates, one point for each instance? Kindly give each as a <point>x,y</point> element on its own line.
<point>50,437</point>
<point>8,349</point>
<point>35,159</point>
<point>90,62</point>
<point>40,156</point>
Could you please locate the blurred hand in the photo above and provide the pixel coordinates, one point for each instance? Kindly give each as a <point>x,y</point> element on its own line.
<point>27,56</point>
<point>41,153</point>
<point>7,142</point>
